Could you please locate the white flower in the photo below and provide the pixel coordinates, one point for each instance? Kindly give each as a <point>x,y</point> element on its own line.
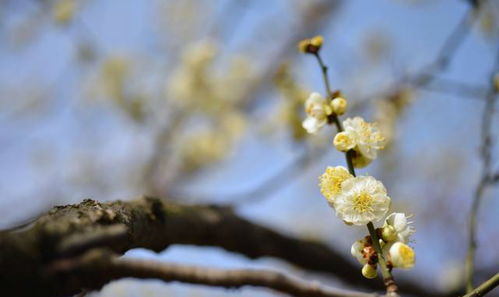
<point>343,142</point>
<point>313,125</point>
<point>357,251</point>
<point>401,255</point>
<point>330,182</point>
<point>362,200</point>
<point>366,136</point>
<point>317,109</point>
<point>400,225</point>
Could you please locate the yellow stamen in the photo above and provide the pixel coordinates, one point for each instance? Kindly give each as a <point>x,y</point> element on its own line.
<point>363,202</point>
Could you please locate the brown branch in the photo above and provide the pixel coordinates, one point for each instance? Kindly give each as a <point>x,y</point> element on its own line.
<point>153,224</point>
<point>98,266</point>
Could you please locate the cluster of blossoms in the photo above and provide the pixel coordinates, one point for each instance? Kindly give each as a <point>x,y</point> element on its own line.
<point>363,138</point>
<point>359,200</point>
<point>319,110</point>
<point>393,239</point>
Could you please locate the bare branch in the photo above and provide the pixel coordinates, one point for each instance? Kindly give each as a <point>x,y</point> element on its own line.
<point>484,288</point>
<point>454,87</point>
<point>424,79</point>
<point>275,182</point>
<point>486,175</point>
<point>98,267</point>
<point>153,224</point>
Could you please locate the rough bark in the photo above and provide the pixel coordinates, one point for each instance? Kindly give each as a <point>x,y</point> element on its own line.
<point>26,255</point>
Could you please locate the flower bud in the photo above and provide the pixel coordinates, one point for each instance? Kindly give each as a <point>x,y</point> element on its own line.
<point>343,142</point>
<point>402,255</point>
<point>339,105</point>
<point>357,251</point>
<point>360,161</point>
<point>369,271</point>
<point>317,41</point>
<point>388,233</point>
<point>311,46</point>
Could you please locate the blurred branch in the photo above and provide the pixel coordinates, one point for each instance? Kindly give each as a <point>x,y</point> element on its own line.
<point>486,175</point>
<point>281,178</point>
<point>311,18</point>
<point>276,181</point>
<point>484,288</point>
<point>161,149</point>
<point>455,87</point>
<point>495,178</point>
<point>98,267</point>
<point>153,224</point>
<point>445,54</point>
<point>452,42</point>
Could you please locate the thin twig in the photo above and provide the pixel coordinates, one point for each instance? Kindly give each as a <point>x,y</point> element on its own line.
<point>484,288</point>
<point>486,176</point>
<point>454,87</point>
<point>453,42</point>
<point>446,53</point>
<point>324,74</point>
<point>279,179</point>
<point>228,278</point>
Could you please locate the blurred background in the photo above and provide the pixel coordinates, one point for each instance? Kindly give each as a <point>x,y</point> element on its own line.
<point>202,101</point>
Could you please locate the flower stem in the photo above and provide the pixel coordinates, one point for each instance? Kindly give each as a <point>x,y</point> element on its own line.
<point>391,287</point>
<point>484,288</point>
<point>349,158</point>
<point>324,74</point>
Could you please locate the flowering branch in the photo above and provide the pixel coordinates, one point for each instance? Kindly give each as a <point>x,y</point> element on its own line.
<point>386,273</point>
<point>358,200</point>
<point>333,118</point>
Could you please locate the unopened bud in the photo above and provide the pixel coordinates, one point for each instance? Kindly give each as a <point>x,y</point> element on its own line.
<point>317,41</point>
<point>369,271</point>
<point>311,46</point>
<point>388,233</point>
<point>339,105</point>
